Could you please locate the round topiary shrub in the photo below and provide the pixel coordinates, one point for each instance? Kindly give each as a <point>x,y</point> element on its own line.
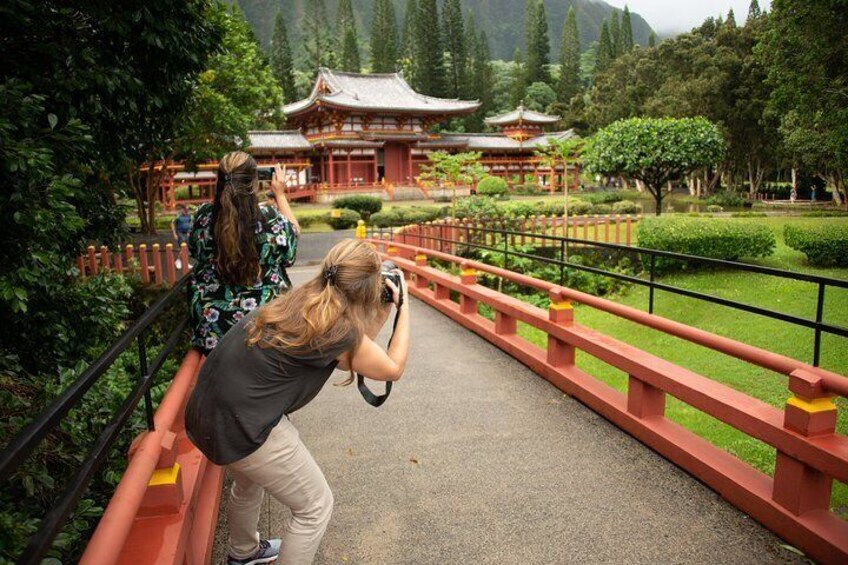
<point>824,246</point>
<point>492,186</point>
<point>601,209</point>
<point>627,207</point>
<point>342,219</point>
<point>365,205</point>
<point>579,208</point>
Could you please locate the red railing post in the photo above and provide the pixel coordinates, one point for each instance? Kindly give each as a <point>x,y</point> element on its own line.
<point>560,353</point>
<point>92,261</point>
<point>810,411</point>
<point>522,222</point>
<point>597,228</point>
<point>586,226</point>
<point>607,229</point>
<point>184,266</point>
<point>81,265</point>
<point>143,264</point>
<point>169,264</point>
<point>618,228</point>
<point>104,257</point>
<point>628,222</point>
<point>157,264</point>
<point>421,261</point>
<point>467,276</point>
<point>129,252</point>
<point>119,263</point>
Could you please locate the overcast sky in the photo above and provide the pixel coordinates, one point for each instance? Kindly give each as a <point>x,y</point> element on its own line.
<point>682,15</point>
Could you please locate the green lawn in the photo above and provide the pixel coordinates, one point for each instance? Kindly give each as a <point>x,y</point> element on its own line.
<point>793,297</point>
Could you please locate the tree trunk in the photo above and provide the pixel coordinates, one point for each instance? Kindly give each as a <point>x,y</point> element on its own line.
<point>640,186</point>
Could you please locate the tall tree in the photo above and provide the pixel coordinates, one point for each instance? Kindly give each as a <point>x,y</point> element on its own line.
<point>604,55</point>
<point>346,30</point>
<point>455,48</point>
<point>626,31</point>
<point>408,41</point>
<point>384,38</point>
<point>318,36</point>
<point>731,19</point>
<point>804,51</point>
<point>484,75</point>
<point>519,78</point>
<point>281,58</point>
<point>754,12</point>
<point>615,35</point>
<point>652,39</point>
<point>469,88</point>
<point>430,67</point>
<point>538,44</point>
<point>569,59</point>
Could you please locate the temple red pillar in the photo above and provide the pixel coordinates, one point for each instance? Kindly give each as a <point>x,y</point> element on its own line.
<point>332,172</point>
<point>349,169</point>
<point>376,168</point>
<point>410,164</point>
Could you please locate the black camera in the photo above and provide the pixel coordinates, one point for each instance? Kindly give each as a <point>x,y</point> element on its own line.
<point>265,173</point>
<point>388,274</point>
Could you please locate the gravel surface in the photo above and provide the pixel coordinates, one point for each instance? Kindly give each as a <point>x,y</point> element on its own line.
<point>475,459</point>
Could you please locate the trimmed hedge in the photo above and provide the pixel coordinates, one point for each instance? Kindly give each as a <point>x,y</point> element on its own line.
<point>824,246</point>
<point>602,197</point>
<point>405,216</point>
<point>346,220</point>
<point>365,205</point>
<point>718,238</point>
<point>626,207</point>
<point>726,199</point>
<point>492,186</point>
<point>579,208</point>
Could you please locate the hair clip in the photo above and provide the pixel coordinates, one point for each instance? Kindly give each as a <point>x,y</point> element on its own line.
<point>330,274</point>
<point>228,178</point>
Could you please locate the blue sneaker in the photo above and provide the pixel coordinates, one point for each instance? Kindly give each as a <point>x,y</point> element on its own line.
<point>268,551</point>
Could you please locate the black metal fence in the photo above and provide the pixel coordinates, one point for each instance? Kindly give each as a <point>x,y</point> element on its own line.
<point>471,237</point>
<point>17,451</point>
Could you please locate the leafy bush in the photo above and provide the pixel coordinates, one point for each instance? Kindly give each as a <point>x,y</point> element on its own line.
<point>824,214</point>
<point>579,208</point>
<point>714,208</point>
<point>478,207</point>
<point>748,215</point>
<point>492,186</point>
<point>365,205</point>
<point>824,246</point>
<point>601,209</point>
<point>726,199</point>
<point>346,220</point>
<point>717,238</point>
<point>405,216</point>
<point>602,197</point>
<point>627,207</point>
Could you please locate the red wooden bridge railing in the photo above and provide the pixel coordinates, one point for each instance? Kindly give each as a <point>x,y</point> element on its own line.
<point>795,503</point>
<point>152,264</point>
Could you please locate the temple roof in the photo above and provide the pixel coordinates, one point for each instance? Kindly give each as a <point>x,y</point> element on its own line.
<point>522,115</point>
<point>492,141</point>
<point>286,139</point>
<point>387,92</point>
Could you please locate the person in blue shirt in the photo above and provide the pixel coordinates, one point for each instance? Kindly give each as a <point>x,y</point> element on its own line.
<point>181,226</point>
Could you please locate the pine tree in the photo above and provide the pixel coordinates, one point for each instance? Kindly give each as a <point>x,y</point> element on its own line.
<point>516,91</point>
<point>604,56</point>
<point>409,16</point>
<point>319,44</point>
<point>429,57</point>
<point>538,45</point>
<point>469,89</point>
<point>731,20</point>
<point>346,29</point>
<point>627,31</point>
<point>569,59</point>
<point>652,39</point>
<point>484,76</point>
<point>384,43</point>
<point>281,58</point>
<point>754,12</point>
<point>615,35</point>
<point>454,35</point>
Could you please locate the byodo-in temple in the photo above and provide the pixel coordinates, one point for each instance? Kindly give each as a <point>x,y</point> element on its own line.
<point>371,133</point>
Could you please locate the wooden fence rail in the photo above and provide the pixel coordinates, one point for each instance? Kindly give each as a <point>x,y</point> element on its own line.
<point>152,264</point>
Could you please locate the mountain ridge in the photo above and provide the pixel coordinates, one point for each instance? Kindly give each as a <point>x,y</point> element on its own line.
<point>502,20</point>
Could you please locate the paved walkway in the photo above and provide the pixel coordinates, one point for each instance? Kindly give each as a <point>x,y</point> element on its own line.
<point>475,459</point>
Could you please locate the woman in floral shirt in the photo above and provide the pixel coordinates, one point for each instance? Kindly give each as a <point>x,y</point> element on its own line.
<point>241,250</point>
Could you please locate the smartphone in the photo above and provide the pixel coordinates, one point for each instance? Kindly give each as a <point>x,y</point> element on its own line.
<point>265,173</point>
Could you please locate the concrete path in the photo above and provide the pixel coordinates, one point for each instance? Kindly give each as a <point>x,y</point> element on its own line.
<point>474,459</point>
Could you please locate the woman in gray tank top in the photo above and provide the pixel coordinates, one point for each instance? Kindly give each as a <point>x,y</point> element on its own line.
<point>274,362</point>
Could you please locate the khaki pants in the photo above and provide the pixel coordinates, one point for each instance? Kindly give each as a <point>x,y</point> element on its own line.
<point>283,467</point>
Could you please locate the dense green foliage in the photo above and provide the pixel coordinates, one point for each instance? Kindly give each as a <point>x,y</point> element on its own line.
<point>365,205</point>
<point>346,30</point>
<point>403,216</point>
<point>569,60</point>
<point>716,238</point>
<point>342,219</point>
<point>281,61</point>
<point>726,199</point>
<point>824,246</point>
<point>655,151</point>
<point>492,186</point>
<point>384,38</point>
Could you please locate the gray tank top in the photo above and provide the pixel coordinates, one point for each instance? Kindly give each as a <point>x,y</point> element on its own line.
<point>242,392</point>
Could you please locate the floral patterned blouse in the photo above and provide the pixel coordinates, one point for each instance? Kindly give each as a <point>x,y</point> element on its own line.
<point>215,306</point>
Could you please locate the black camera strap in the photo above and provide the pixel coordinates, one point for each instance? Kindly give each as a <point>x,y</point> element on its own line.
<point>370,397</point>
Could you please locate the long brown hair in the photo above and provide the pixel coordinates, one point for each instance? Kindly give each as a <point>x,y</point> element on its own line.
<point>324,312</point>
<point>235,216</point>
